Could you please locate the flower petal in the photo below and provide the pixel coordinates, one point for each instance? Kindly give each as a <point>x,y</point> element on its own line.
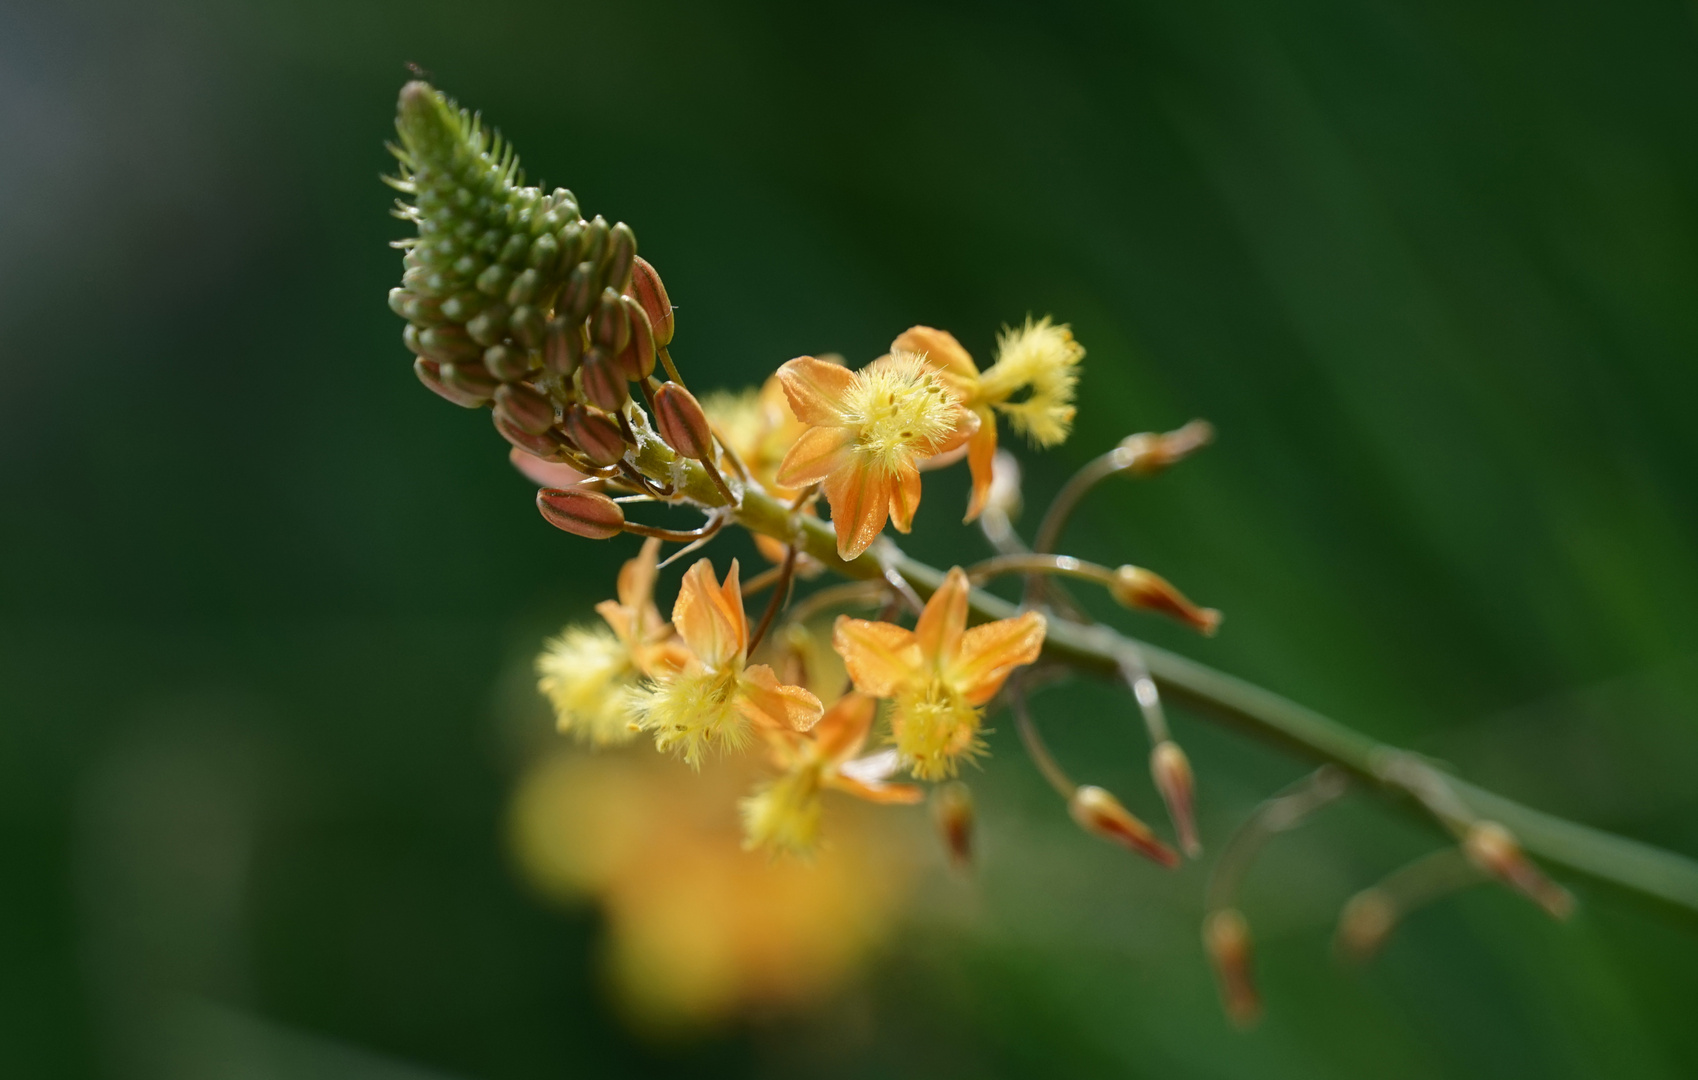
<point>843,729</point>
<point>820,452</point>
<point>904,497</point>
<point>945,617</point>
<point>981,452</point>
<point>967,424</point>
<point>877,792</point>
<point>880,656</point>
<point>940,349</point>
<point>860,501</point>
<point>765,700</point>
<point>815,389</point>
<point>989,653</point>
<point>712,630</point>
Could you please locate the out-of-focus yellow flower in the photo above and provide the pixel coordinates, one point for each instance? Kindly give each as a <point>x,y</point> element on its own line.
<point>1039,359</point>
<point>939,674</point>
<point>867,432</point>
<point>758,427</point>
<point>716,694</point>
<point>784,814</point>
<point>588,672</point>
<point>700,932</point>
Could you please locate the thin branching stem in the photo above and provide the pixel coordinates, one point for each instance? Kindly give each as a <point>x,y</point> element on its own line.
<point>1280,813</point>
<point>1036,748</point>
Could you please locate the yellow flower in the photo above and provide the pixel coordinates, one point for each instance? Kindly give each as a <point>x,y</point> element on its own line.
<point>867,431</point>
<point>784,815</point>
<point>939,674</point>
<point>588,672</point>
<point>1040,359</point>
<point>756,425</point>
<point>716,694</point>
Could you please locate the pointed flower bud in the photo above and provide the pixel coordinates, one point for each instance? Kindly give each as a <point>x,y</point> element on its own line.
<point>952,805</point>
<point>1101,814</point>
<point>563,346</point>
<point>548,445</point>
<point>1135,587</point>
<point>636,359</point>
<point>582,287</point>
<point>582,513</point>
<point>604,384</point>
<point>646,289</point>
<point>1226,936</point>
<point>621,253</point>
<point>682,423</point>
<point>1147,454</point>
<point>430,373</point>
<point>1171,770</point>
<point>609,326</point>
<point>525,406</point>
<point>1495,850</point>
<point>596,434</point>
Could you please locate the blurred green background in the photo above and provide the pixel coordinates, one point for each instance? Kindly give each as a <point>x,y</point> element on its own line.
<point>266,605</point>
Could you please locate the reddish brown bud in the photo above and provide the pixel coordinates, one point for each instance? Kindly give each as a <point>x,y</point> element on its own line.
<point>1101,814</point>
<point>952,805</point>
<point>636,359</point>
<point>647,290</point>
<point>447,344</point>
<point>1226,936</point>
<point>563,346</point>
<point>1364,925</point>
<point>525,406</point>
<point>596,434</point>
<point>430,373</point>
<point>1148,453</point>
<point>549,445</point>
<point>1135,587</point>
<point>610,327</point>
<point>682,423</point>
<point>470,378</point>
<point>1171,770</point>
<point>1494,849</point>
<point>604,384</point>
<point>580,292</point>
<point>621,253</point>
<point>506,362</point>
<point>580,512</point>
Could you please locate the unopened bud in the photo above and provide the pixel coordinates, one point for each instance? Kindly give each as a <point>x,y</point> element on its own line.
<point>430,373</point>
<point>462,306</point>
<point>527,326</point>
<point>1135,587</point>
<point>471,379</point>
<point>1148,453</point>
<point>525,406</point>
<point>609,326</point>
<point>1101,814</point>
<point>952,804</point>
<point>1494,849</point>
<point>563,346</point>
<point>489,326</point>
<point>1364,925</point>
<point>1226,937</point>
<point>582,513</point>
<point>603,382</point>
<point>582,287</point>
<point>1171,770</point>
<point>595,240</point>
<point>596,434</point>
<point>621,252</point>
<point>636,359</point>
<point>646,289</point>
<point>524,288</point>
<point>447,344</point>
<point>549,445</point>
<point>506,362</point>
<point>682,423</point>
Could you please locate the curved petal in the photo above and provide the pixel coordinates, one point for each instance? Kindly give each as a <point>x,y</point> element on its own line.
<point>940,349</point>
<point>765,700</point>
<point>981,453</point>
<point>637,577</point>
<point>860,501</point>
<point>815,389</point>
<point>989,653</point>
<point>967,424</point>
<point>880,656</point>
<point>820,452</point>
<point>904,497</point>
<point>552,474</point>
<point>944,619</point>
<point>843,729</point>
<point>731,603</point>
<point>887,794</point>
<point>712,631</point>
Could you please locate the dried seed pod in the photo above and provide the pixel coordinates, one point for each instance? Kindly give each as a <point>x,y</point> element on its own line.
<point>681,422</point>
<point>1135,587</point>
<point>527,326</point>
<point>563,346</point>
<point>610,327</point>
<point>604,384</point>
<point>596,433</point>
<point>636,359</point>
<point>507,363</point>
<point>580,512</point>
<point>1100,814</point>
<point>430,373</point>
<point>621,251</point>
<point>582,288</point>
<point>526,407</point>
<point>646,289</point>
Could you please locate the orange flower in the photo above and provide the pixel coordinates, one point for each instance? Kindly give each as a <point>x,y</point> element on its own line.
<point>651,640</point>
<point>784,815</point>
<point>1037,362</point>
<point>717,694</point>
<point>867,431</point>
<point>939,674</point>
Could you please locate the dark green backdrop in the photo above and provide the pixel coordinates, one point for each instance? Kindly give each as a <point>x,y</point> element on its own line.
<point>1430,267</point>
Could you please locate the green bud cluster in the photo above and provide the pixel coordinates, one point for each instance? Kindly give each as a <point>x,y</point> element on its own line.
<point>511,297</point>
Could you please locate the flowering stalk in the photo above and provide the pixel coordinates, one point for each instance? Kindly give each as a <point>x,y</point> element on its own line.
<point>516,303</point>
